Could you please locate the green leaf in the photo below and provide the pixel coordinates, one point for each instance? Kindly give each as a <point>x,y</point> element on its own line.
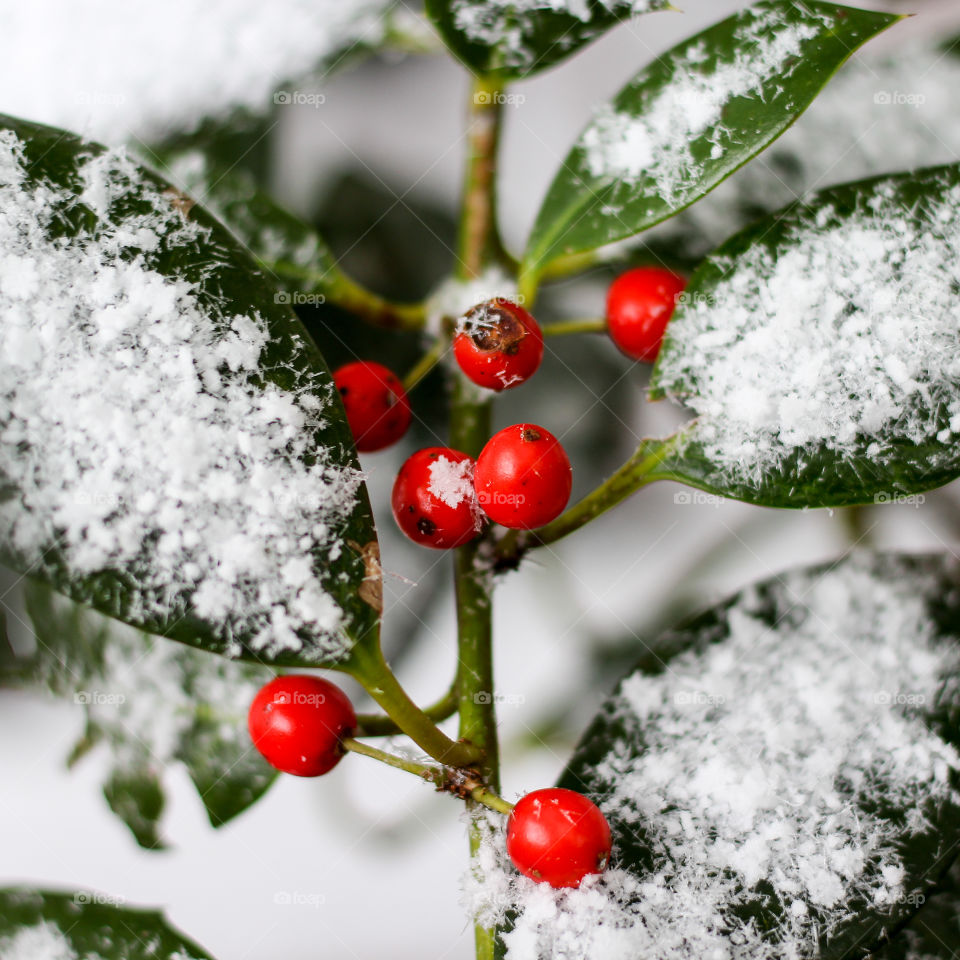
<point>94,926</point>
<point>690,119</point>
<point>154,703</point>
<point>516,38</point>
<point>818,348</point>
<point>236,521</point>
<point>780,774</point>
<point>289,250</point>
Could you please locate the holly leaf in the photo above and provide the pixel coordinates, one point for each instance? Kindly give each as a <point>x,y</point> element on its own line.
<point>287,249</point>
<point>174,452</point>
<point>690,119</point>
<point>514,38</point>
<point>818,349</point>
<point>153,703</point>
<point>780,775</point>
<point>95,926</point>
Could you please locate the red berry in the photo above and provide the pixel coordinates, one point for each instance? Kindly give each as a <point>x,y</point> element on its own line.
<point>498,345</point>
<point>297,723</point>
<point>378,410</point>
<point>523,477</point>
<point>640,303</point>
<point>433,498</point>
<point>558,837</point>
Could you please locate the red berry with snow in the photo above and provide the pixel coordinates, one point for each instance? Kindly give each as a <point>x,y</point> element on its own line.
<point>523,477</point>
<point>433,498</point>
<point>498,345</point>
<point>558,837</point>
<point>377,407</point>
<point>297,723</point>
<point>640,303</point>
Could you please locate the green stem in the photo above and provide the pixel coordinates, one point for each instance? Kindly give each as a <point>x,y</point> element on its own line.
<point>370,669</point>
<point>426,363</point>
<point>378,725</point>
<point>469,430</point>
<point>566,327</point>
<point>339,289</point>
<point>479,239</point>
<point>443,778</point>
<point>637,472</point>
<point>570,264</point>
<point>432,774</point>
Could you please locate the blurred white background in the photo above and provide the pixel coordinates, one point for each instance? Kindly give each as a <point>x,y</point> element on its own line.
<point>374,855</point>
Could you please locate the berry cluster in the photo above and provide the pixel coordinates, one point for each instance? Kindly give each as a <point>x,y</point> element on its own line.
<point>442,498</point>
<point>554,836</point>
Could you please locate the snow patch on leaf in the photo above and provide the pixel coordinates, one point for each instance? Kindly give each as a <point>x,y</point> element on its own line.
<point>844,336</point>
<point>136,430</point>
<point>660,142</point>
<point>757,758</point>
<point>40,942</point>
<point>511,26</point>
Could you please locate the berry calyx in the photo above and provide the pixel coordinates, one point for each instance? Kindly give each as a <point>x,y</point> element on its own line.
<point>640,303</point>
<point>377,406</point>
<point>498,345</point>
<point>558,836</point>
<point>297,723</point>
<point>523,477</point>
<point>433,499</point>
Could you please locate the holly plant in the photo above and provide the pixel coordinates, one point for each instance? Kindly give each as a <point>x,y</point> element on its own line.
<point>777,778</point>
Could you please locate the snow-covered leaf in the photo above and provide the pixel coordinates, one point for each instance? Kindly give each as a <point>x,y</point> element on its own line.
<point>85,925</point>
<point>120,71</point>
<point>820,349</point>
<point>172,449</point>
<point>781,777</point>
<point>691,118</point>
<point>516,38</point>
<point>153,703</point>
<point>886,111</point>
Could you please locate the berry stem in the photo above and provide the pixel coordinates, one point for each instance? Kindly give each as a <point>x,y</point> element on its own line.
<point>444,779</point>
<point>565,327</point>
<point>379,725</point>
<point>637,472</point>
<point>342,291</point>
<point>426,363</point>
<point>371,670</point>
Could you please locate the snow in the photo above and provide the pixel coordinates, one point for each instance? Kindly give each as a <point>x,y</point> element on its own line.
<point>659,143</point>
<point>451,482</point>
<point>847,337</point>
<point>135,430</point>
<point>761,758</point>
<point>880,114</point>
<point>41,942</point>
<point>511,25</point>
<point>113,72</point>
